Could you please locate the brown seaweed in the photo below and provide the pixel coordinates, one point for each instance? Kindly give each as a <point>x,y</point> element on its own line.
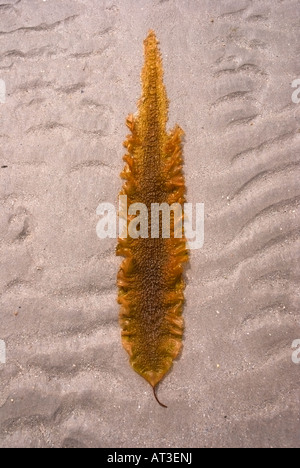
<point>150,279</point>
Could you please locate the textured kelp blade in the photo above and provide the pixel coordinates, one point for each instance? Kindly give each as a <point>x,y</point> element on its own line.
<point>150,278</point>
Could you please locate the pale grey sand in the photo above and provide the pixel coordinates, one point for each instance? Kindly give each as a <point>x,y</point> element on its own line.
<point>72,74</point>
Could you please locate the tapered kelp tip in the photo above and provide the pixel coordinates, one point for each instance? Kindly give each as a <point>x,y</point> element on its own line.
<point>151,33</point>
<point>156,397</point>
<point>151,39</point>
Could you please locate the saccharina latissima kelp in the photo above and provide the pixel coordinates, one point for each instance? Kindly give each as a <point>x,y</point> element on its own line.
<point>150,279</point>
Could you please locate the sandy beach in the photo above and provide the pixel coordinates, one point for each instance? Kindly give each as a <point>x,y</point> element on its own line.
<point>71,71</point>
